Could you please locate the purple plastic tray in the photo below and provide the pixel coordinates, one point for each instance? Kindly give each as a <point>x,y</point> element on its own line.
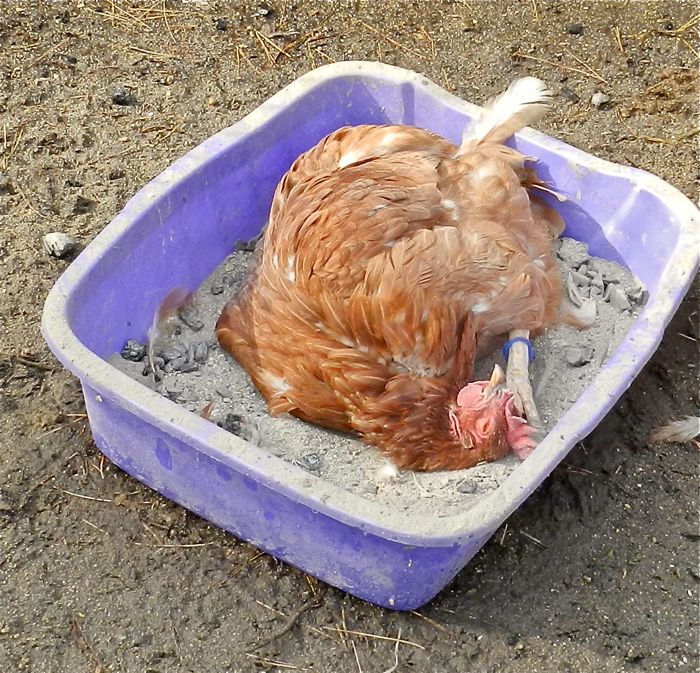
<point>181,225</point>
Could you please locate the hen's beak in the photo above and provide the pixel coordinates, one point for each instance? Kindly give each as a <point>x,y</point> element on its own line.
<point>496,380</point>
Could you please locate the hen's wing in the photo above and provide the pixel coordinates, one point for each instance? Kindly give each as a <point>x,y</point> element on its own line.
<point>352,144</point>
<point>335,223</point>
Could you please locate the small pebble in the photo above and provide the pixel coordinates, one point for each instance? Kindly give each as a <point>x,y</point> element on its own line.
<point>232,423</point>
<point>182,364</point>
<point>168,353</point>
<point>189,317</point>
<point>573,253</point>
<point>467,486</point>
<point>581,279</point>
<point>633,655</point>
<point>573,291</point>
<point>173,389</point>
<point>598,99</point>
<point>237,425</point>
<point>309,461</point>
<point>222,23</point>
<point>578,356</point>
<point>134,351</point>
<point>201,353</point>
<point>612,273</point>
<point>58,244</point>
<point>216,288</point>
<point>597,281</point>
<point>617,298</point>
<point>229,279</point>
<point>638,296</point>
<point>263,9</point>
<point>157,371</point>
<point>574,29</point>
<point>226,393</point>
<point>122,96</point>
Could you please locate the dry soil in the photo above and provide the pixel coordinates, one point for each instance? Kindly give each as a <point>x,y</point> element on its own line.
<point>596,572</point>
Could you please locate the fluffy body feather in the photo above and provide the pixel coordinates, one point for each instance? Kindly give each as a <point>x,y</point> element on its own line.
<point>684,430</point>
<point>524,102</point>
<point>391,260</point>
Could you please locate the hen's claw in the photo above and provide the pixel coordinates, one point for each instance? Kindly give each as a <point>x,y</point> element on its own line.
<point>521,437</point>
<point>518,380</point>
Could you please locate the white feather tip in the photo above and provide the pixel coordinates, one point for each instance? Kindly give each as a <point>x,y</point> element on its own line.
<point>387,472</point>
<point>685,430</point>
<point>524,102</point>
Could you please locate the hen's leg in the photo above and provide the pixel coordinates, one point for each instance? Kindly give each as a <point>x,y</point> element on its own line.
<point>518,378</point>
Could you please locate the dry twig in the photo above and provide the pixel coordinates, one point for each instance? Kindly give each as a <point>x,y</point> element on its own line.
<point>390,40</point>
<point>588,73</point>
<point>373,636</point>
<point>291,621</point>
<point>539,543</point>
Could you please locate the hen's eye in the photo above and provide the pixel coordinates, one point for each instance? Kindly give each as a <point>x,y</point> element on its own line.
<point>483,426</point>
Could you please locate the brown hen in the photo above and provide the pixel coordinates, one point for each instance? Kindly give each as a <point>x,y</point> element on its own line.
<point>391,260</point>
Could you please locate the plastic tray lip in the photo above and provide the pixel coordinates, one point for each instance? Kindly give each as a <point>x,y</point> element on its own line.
<point>313,492</point>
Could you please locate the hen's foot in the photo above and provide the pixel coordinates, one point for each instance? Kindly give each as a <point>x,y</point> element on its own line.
<point>517,375</point>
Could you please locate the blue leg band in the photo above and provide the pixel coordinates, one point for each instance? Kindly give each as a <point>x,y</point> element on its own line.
<point>510,342</point>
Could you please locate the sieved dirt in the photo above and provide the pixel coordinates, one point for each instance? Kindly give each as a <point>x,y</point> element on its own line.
<point>98,573</point>
<point>196,381</point>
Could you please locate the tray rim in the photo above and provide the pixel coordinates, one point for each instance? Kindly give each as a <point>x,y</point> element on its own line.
<point>311,491</point>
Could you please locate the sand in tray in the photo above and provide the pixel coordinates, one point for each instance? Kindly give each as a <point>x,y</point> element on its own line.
<point>196,372</point>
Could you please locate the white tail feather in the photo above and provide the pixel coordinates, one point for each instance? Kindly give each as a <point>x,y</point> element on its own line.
<point>678,431</point>
<point>523,103</point>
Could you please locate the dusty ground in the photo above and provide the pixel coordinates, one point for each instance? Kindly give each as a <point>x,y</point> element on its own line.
<point>98,573</point>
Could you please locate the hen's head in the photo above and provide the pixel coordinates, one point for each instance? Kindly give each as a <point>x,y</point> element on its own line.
<point>485,419</point>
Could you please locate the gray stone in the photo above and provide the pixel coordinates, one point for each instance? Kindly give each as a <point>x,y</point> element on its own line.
<point>573,291</point>
<point>189,317</point>
<point>573,253</point>
<point>169,352</point>
<point>225,392</point>
<point>172,388</point>
<point>638,296</point>
<point>122,96</point>
<point>617,298</point>
<point>578,356</point>
<point>58,244</point>
<point>581,279</point>
<point>599,99</point>
<point>597,281</point>
<point>467,486</point>
<point>201,353</point>
<point>133,351</point>
<point>310,462</point>
<point>182,364</point>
